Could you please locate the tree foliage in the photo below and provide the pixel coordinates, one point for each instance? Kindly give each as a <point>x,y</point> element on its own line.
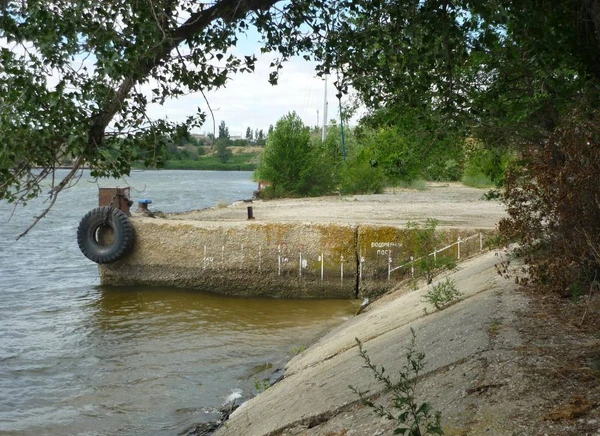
<point>554,207</point>
<point>293,165</point>
<point>511,76</point>
<point>223,151</point>
<point>499,70</point>
<point>223,131</point>
<point>71,77</point>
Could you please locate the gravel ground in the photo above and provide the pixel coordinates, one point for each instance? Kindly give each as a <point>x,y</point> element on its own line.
<point>452,204</point>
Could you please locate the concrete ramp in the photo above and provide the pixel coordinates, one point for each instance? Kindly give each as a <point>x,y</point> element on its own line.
<point>315,388</point>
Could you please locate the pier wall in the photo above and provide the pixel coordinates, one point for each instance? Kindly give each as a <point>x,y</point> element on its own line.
<point>277,259</point>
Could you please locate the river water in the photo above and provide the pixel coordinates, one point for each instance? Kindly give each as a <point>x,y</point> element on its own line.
<point>79,358</point>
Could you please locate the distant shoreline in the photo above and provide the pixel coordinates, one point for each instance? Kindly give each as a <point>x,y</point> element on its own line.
<point>169,167</point>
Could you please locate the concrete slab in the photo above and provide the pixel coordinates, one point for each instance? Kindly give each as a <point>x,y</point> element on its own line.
<point>325,247</point>
<point>315,388</point>
<point>471,277</point>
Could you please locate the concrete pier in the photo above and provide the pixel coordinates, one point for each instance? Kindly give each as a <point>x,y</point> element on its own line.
<point>281,259</point>
<point>325,247</point>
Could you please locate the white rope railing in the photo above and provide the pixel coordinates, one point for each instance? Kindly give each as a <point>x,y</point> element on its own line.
<point>434,254</point>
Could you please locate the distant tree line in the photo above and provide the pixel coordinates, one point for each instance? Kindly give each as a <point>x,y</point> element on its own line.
<point>188,146</point>
<point>371,157</point>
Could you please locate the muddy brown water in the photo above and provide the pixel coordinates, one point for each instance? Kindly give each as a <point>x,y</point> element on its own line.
<point>78,358</point>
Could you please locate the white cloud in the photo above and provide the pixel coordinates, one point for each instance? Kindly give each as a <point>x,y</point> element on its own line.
<point>250,101</point>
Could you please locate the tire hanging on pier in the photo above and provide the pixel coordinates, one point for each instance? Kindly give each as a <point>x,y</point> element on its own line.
<point>90,235</point>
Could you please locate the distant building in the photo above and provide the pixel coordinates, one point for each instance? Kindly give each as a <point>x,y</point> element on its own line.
<point>199,136</point>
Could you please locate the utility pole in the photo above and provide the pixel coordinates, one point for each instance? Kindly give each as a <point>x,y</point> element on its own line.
<point>324,132</point>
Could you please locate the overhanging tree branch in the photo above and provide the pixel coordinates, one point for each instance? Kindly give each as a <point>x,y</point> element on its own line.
<point>226,10</point>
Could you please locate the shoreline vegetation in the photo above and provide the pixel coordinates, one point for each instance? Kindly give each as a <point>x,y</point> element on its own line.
<point>239,158</point>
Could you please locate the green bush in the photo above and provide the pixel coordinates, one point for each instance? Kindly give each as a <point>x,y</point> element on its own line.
<point>442,294</point>
<point>477,180</point>
<point>393,154</point>
<point>425,242</point>
<point>417,185</point>
<point>486,167</point>
<point>444,169</point>
<point>224,153</point>
<point>358,176</point>
<point>292,164</point>
<point>238,162</point>
<point>412,417</point>
<point>409,145</point>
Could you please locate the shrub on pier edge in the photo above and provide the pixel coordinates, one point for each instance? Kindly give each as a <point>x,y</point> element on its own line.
<point>294,166</point>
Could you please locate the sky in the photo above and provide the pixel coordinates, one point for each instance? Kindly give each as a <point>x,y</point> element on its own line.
<point>248,100</point>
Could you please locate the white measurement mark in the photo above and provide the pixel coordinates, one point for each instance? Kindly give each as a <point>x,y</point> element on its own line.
<point>360,267</point>
<point>321,258</point>
<point>206,260</point>
<point>259,258</point>
<point>279,260</point>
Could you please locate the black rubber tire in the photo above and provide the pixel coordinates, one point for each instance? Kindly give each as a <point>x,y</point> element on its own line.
<point>123,234</point>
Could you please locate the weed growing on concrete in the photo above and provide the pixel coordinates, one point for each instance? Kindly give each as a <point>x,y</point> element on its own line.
<point>413,418</point>
<point>494,327</point>
<point>298,350</point>
<point>413,284</point>
<point>442,294</point>
<point>492,194</point>
<point>261,385</point>
<point>496,241</point>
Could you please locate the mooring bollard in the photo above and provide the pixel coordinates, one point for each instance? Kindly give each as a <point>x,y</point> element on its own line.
<point>250,213</point>
<point>143,207</point>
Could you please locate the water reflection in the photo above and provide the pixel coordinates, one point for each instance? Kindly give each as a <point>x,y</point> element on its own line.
<point>186,351</point>
<point>170,307</point>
